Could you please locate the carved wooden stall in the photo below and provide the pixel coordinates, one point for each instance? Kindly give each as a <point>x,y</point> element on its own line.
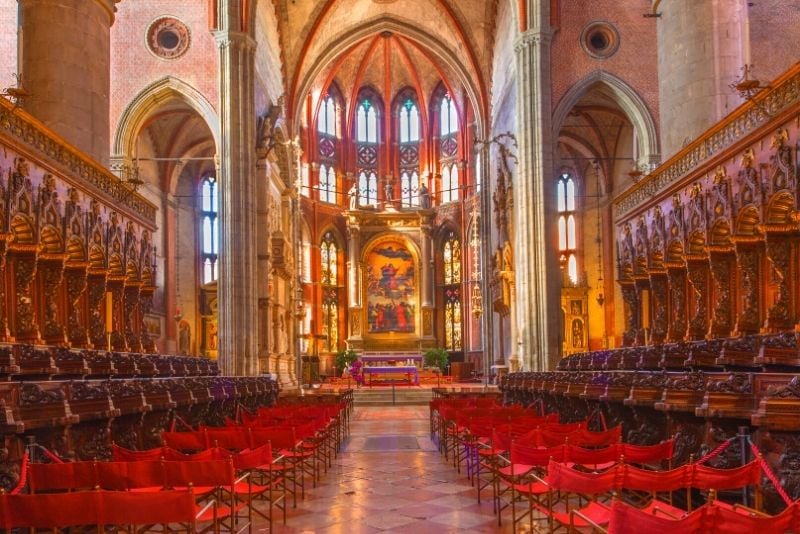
<point>707,243</point>
<point>71,232</point>
<point>707,266</point>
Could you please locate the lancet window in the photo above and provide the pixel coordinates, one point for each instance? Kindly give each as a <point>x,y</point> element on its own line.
<point>367,152</point>
<point>329,256</point>
<point>452,293</point>
<point>209,230</point>
<point>448,149</point>
<point>567,226</point>
<point>327,132</point>
<point>409,153</point>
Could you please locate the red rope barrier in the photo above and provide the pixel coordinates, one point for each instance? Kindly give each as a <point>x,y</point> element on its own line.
<point>23,476</point>
<point>53,458</point>
<point>716,452</point>
<point>768,472</point>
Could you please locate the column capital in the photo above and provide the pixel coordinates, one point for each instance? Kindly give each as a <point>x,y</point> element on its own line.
<point>531,38</point>
<point>227,39</point>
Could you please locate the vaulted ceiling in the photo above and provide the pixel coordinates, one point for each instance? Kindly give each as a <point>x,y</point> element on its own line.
<point>389,44</point>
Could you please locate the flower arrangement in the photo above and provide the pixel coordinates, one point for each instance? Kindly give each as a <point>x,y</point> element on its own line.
<point>356,372</point>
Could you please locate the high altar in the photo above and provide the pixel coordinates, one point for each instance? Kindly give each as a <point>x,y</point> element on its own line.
<point>390,280</point>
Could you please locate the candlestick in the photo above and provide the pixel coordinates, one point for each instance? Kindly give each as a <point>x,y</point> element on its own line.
<point>109,312</point>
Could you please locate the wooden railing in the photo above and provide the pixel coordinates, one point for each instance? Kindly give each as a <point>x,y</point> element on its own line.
<point>748,118</point>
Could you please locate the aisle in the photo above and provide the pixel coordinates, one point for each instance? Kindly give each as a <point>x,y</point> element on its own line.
<point>391,478</point>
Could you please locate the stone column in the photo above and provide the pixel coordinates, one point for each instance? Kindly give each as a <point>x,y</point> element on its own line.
<point>699,55</point>
<point>535,264</point>
<point>65,63</point>
<point>238,272</point>
<point>264,265</point>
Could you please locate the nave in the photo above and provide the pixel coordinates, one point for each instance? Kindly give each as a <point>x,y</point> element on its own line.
<point>390,477</point>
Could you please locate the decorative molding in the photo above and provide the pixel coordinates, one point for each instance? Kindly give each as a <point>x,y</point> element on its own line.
<point>742,122</point>
<point>43,146</point>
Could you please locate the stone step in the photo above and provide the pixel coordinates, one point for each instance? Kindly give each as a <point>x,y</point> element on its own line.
<point>383,397</point>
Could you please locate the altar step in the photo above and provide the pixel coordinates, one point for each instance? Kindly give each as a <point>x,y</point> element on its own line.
<point>382,396</point>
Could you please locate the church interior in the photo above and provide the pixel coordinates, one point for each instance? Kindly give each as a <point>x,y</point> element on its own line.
<point>241,232</point>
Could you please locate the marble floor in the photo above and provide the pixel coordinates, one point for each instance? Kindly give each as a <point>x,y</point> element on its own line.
<point>390,477</point>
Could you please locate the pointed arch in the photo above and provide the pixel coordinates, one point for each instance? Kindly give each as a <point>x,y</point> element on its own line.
<point>628,100</point>
<point>148,100</point>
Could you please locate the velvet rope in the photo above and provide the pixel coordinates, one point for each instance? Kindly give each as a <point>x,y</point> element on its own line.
<point>716,452</point>
<point>52,457</point>
<point>768,472</point>
<point>23,475</point>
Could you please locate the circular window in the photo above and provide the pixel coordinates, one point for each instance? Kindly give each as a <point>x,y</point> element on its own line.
<point>168,38</point>
<point>600,40</point>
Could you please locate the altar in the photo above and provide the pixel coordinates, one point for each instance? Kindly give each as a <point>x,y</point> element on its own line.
<point>391,358</point>
<point>408,372</point>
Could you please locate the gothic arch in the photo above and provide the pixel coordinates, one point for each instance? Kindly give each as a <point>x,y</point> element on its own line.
<point>627,98</point>
<point>388,24</point>
<point>147,101</point>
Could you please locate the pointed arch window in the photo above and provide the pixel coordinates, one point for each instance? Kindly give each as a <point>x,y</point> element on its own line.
<point>567,226</point>
<point>452,260</point>
<point>367,126</point>
<point>329,257</point>
<point>452,292</point>
<point>209,230</point>
<point>448,120</point>
<point>327,119</point>
<point>327,133</point>
<point>367,123</point>
<point>327,184</point>
<point>448,150</point>
<point>449,182</point>
<point>409,153</point>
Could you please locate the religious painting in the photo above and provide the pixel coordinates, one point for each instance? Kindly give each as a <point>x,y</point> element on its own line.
<point>391,288</point>
<point>152,324</point>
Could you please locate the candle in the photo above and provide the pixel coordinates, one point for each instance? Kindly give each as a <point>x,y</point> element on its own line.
<point>109,311</point>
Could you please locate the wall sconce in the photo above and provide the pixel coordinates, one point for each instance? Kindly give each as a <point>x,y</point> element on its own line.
<point>748,88</point>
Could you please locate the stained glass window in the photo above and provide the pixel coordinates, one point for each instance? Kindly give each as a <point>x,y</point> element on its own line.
<point>329,255</point>
<point>567,225</point>
<point>209,228</point>
<point>452,319</point>
<point>452,260</point>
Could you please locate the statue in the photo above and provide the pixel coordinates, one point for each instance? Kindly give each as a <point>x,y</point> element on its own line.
<point>388,191</point>
<point>184,338</point>
<point>283,338</point>
<point>577,333</point>
<point>352,195</point>
<point>424,197</point>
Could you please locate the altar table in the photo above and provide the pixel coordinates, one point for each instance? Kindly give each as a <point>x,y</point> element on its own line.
<point>408,370</point>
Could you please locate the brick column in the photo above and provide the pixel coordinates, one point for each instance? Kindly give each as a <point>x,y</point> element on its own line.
<point>65,63</point>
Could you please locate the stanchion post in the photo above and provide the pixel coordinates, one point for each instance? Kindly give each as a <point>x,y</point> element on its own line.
<point>744,448</point>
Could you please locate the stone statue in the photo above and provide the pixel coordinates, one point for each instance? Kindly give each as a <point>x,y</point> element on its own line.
<point>424,197</point>
<point>184,338</point>
<point>388,191</point>
<point>283,337</point>
<point>352,196</point>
